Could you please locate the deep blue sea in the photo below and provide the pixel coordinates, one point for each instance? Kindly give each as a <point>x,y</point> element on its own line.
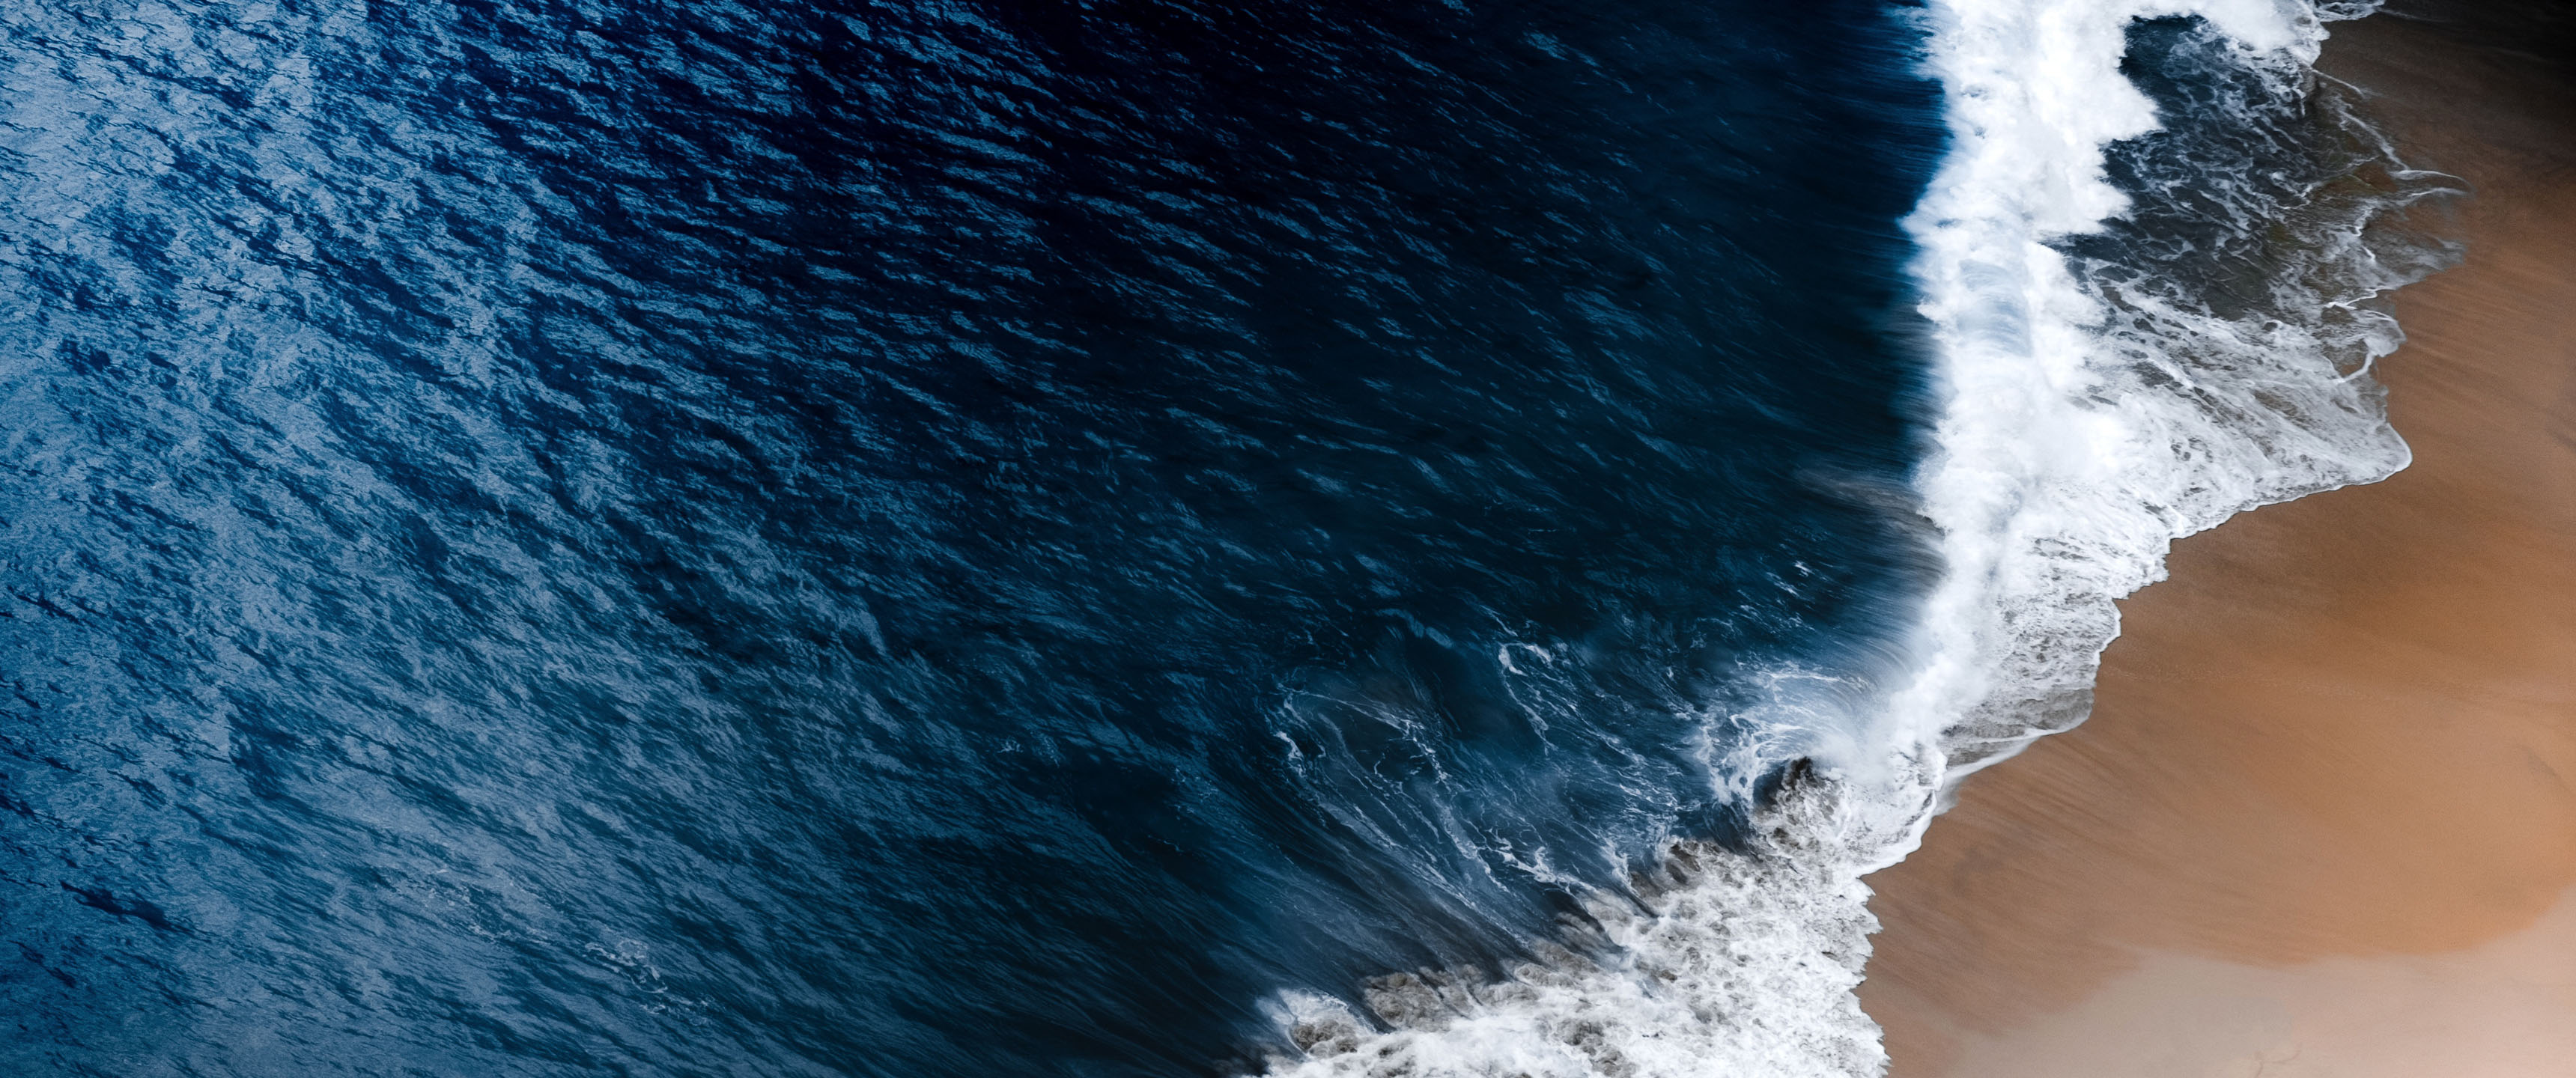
<point>901,539</point>
<point>957,537</point>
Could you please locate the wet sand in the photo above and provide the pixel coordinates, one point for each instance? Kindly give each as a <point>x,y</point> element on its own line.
<point>2323,821</point>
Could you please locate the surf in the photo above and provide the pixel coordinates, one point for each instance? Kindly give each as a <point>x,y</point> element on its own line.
<point>2143,316</point>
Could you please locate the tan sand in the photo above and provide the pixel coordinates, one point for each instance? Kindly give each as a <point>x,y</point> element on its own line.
<point>2323,821</point>
<point>2504,1009</point>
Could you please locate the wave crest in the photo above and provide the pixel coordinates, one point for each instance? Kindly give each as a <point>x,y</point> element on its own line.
<point>1720,962</point>
<point>2145,317</point>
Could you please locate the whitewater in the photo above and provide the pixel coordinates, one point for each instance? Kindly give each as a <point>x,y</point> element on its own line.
<point>2107,380</point>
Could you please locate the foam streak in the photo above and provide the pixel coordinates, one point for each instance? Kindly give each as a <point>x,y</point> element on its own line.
<point>2093,404</point>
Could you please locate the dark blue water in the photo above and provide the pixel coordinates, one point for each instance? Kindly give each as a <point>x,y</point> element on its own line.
<point>928,539</point>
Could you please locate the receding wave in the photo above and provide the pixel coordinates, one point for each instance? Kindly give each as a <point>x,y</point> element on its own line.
<point>2148,272</point>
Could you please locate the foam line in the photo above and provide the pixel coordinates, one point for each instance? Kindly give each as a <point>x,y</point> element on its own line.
<point>2079,436</point>
<point>2091,408</point>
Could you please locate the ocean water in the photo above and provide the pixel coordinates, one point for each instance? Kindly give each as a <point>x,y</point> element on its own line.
<point>1104,538</point>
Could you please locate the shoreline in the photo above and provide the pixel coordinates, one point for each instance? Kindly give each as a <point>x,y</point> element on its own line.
<point>2323,818</point>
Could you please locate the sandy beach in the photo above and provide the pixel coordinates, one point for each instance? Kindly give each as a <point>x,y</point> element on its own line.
<point>2323,820</point>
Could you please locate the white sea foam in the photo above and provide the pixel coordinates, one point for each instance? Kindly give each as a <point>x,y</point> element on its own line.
<point>1721,963</point>
<point>2081,434</point>
<point>2085,420</point>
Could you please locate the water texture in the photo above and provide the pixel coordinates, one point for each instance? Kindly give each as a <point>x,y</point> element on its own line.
<point>1098,538</point>
<point>933,538</point>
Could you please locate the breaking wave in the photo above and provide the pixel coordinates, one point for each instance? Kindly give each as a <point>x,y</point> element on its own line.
<point>2148,272</point>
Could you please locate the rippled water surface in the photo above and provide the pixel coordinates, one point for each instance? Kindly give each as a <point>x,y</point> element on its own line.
<point>934,538</point>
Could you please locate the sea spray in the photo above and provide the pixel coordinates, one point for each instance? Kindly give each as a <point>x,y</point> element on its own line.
<point>1721,961</point>
<point>2119,360</point>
